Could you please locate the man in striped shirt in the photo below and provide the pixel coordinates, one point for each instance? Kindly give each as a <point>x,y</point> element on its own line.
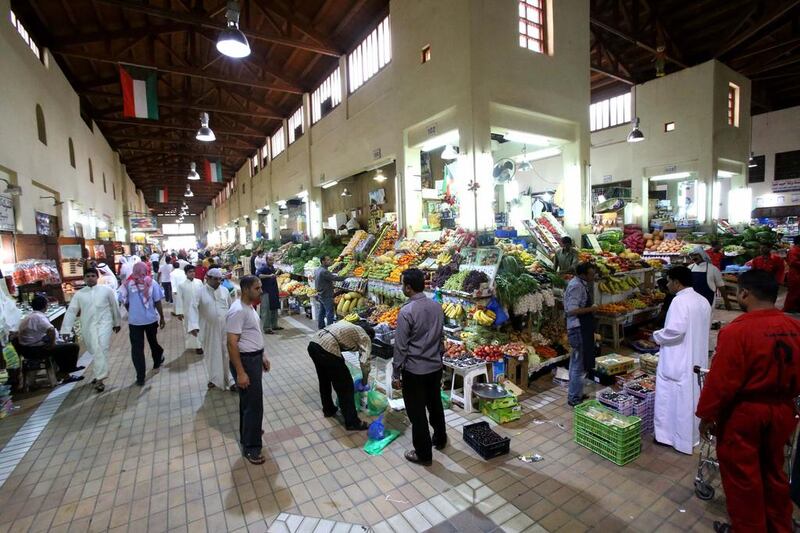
<point>325,349</point>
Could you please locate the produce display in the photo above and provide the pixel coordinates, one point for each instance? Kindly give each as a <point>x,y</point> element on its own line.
<point>617,285</point>
<point>350,302</point>
<point>453,311</point>
<point>634,238</point>
<point>474,280</point>
<point>355,240</point>
<point>456,281</point>
<point>656,242</point>
<point>489,353</point>
<point>33,270</point>
<point>389,317</point>
<point>484,317</point>
<point>300,254</point>
<point>387,242</point>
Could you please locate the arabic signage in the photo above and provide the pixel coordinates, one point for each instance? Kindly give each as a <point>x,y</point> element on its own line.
<point>144,223</point>
<point>786,185</point>
<point>7,213</point>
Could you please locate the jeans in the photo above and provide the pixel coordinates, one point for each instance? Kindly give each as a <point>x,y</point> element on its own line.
<point>326,311</point>
<point>136,335</point>
<point>155,266</point>
<point>576,370</point>
<point>332,371</point>
<point>269,317</point>
<point>251,404</point>
<point>167,286</point>
<point>421,393</point>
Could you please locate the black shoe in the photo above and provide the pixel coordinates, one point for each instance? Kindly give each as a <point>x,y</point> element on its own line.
<point>71,379</point>
<point>660,443</point>
<point>721,527</point>
<point>140,383</point>
<point>278,328</point>
<point>269,332</point>
<point>330,414</point>
<point>411,456</point>
<point>441,446</point>
<point>361,426</point>
<point>158,364</point>
<point>199,351</point>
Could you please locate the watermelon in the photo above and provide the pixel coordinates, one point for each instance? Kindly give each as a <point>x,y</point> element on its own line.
<point>766,237</point>
<point>751,244</point>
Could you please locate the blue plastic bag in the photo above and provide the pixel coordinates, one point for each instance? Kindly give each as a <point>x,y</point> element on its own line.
<point>376,429</point>
<point>501,317</point>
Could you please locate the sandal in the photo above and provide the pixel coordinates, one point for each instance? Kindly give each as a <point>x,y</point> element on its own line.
<point>99,386</point>
<point>255,459</point>
<point>71,379</point>
<point>211,385</point>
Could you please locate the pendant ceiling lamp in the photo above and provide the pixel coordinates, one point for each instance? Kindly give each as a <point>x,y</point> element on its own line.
<point>346,193</point>
<point>525,166</point>
<point>193,175</point>
<point>204,133</point>
<point>449,153</point>
<point>751,163</point>
<point>636,134</point>
<point>231,41</point>
<point>188,192</point>
<point>379,176</point>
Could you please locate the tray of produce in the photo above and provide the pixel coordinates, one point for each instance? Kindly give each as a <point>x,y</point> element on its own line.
<point>645,346</point>
<point>485,441</point>
<point>490,391</point>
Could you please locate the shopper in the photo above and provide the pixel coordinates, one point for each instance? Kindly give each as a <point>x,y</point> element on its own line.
<point>579,308</point>
<point>142,298</point>
<point>566,259</point>
<point>154,258</point>
<point>715,254</point>
<point>99,312</point>
<point>325,349</point>
<point>37,339</point>
<point>246,349</point>
<point>706,278</point>
<point>188,292</point>
<point>164,277</point>
<point>792,303</point>
<point>270,302</point>
<point>200,270</point>
<point>684,344</point>
<point>206,319</point>
<point>747,402</point>
<point>769,262</point>
<point>176,277</point>
<point>417,366</point>
<point>107,276</point>
<point>323,283</point>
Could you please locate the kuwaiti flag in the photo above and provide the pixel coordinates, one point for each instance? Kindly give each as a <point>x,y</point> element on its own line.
<point>139,95</point>
<point>213,171</point>
<point>163,196</point>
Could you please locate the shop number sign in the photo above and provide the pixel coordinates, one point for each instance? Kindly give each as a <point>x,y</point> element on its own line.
<point>7,213</point>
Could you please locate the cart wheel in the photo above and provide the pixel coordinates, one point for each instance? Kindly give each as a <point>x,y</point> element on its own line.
<point>704,491</point>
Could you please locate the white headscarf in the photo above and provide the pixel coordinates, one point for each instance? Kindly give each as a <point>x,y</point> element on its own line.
<point>699,250</point>
<point>107,277</point>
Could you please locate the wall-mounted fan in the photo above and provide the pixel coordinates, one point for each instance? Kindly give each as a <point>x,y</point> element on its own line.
<point>504,170</point>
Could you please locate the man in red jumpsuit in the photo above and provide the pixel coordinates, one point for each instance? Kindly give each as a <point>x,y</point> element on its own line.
<point>769,262</point>
<point>792,303</point>
<point>747,402</point>
<point>715,254</point>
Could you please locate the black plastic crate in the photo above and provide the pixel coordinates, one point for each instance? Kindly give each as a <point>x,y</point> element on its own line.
<point>382,350</point>
<point>501,447</point>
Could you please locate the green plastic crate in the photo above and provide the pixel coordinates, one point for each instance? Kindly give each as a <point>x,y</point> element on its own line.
<point>619,437</point>
<point>619,456</point>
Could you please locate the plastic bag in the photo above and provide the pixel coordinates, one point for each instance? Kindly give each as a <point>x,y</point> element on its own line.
<point>376,429</point>
<point>446,403</point>
<point>376,403</point>
<point>501,317</point>
<point>10,356</point>
<point>375,447</point>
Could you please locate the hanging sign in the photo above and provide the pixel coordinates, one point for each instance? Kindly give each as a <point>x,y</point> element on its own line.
<point>786,185</point>
<point>594,243</point>
<point>7,222</point>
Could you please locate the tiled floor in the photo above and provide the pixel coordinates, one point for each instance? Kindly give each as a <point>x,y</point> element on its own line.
<point>165,458</point>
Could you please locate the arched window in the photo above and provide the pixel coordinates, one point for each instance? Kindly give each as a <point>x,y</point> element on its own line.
<point>71,153</point>
<point>40,127</point>
<point>105,191</point>
<point>91,172</point>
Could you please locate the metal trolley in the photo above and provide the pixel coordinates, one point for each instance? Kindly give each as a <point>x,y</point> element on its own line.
<point>708,466</point>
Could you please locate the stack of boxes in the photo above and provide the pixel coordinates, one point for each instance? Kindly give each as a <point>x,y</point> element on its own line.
<point>644,390</point>
<point>501,410</point>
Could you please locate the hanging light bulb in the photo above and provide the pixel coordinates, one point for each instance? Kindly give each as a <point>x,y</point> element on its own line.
<point>204,133</point>
<point>193,175</point>
<point>379,176</point>
<point>232,42</point>
<point>636,134</point>
<point>525,166</point>
<point>346,193</point>
<point>188,192</point>
<point>449,153</point>
<point>751,163</point>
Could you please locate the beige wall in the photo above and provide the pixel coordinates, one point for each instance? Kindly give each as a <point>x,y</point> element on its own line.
<point>774,132</point>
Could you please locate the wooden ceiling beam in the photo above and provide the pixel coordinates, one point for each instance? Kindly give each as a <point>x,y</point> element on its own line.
<point>213,155</point>
<point>777,15</point>
<point>624,35</point>
<point>297,20</point>
<point>617,76</point>
<point>177,104</point>
<point>246,147</point>
<point>183,71</point>
<point>205,22</point>
<point>125,33</point>
<point>158,124</point>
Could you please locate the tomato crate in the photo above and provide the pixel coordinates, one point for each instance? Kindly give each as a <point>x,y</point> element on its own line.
<point>487,451</point>
<point>617,455</point>
<point>618,436</point>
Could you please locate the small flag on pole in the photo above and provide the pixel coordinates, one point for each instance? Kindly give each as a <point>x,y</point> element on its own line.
<point>213,171</point>
<point>139,94</point>
<point>163,196</point>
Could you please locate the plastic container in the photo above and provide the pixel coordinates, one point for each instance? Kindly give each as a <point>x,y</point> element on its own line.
<point>487,451</point>
<point>622,403</point>
<point>617,455</point>
<point>619,437</point>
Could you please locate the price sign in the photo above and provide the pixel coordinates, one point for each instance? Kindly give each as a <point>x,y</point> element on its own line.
<point>594,243</point>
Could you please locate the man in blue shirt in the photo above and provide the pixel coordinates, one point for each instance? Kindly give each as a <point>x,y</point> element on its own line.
<point>579,308</point>
<point>142,297</point>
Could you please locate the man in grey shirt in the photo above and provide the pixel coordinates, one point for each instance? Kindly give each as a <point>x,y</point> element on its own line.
<point>418,352</point>
<point>323,283</point>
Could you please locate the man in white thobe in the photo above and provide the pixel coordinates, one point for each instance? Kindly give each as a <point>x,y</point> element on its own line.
<point>684,344</point>
<point>107,277</point>
<point>176,277</point>
<point>188,292</point>
<point>206,317</point>
<point>99,312</point>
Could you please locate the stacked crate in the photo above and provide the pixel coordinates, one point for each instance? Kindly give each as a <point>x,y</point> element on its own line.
<point>617,437</point>
<point>645,393</point>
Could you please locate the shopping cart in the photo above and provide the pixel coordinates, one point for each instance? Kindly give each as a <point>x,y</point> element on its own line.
<point>708,466</point>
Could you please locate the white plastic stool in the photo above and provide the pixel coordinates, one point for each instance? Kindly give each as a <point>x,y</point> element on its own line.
<point>386,384</point>
<point>469,375</point>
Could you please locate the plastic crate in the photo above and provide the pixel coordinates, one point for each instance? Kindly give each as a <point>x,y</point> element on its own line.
<point>624,403</point>
<point>620,437</point>
<point>619,456</point>
<point>645,395</point>
<point>501,447</point>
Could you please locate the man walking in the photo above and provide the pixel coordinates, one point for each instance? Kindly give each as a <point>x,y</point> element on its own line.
<point>246,349</point>
<point>325,349</point>
<point>99,313</point>
<point>142,298</point>
<point>270,303</point>
<point>417,363</point>
<point>579,308</point>
<point>188,292</point>
<point>154,258</point>
<point>206,317</point>
<point>323,283</point>
<point>747,402</point>
<point>164,271</point>
<point>684,345</point>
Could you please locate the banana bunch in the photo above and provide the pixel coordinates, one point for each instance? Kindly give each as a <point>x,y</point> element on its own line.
<point>484,318</point>
<point>352,317</point>
<point>444,258</point>
<point>618,285</point>
<point>453,311</point>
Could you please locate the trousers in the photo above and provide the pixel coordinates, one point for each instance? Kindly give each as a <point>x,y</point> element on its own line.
<point>422,392</point>
<point>332,372</point>
<point>167,286</point>
<point>750,450</point>
<point>269,317</point>
<point>137,335</point>
<point>251,404</point>
<point>576,370</point>
<point>65,355</point>
<point>326,312</point>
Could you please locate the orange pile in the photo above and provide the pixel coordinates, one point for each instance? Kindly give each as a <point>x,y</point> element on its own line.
<point>359,271</point>
<point>612,309</point>
<point>390,317</point>
<point>407,259</point>
<point>396,274</point>
<point>387,243</point>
